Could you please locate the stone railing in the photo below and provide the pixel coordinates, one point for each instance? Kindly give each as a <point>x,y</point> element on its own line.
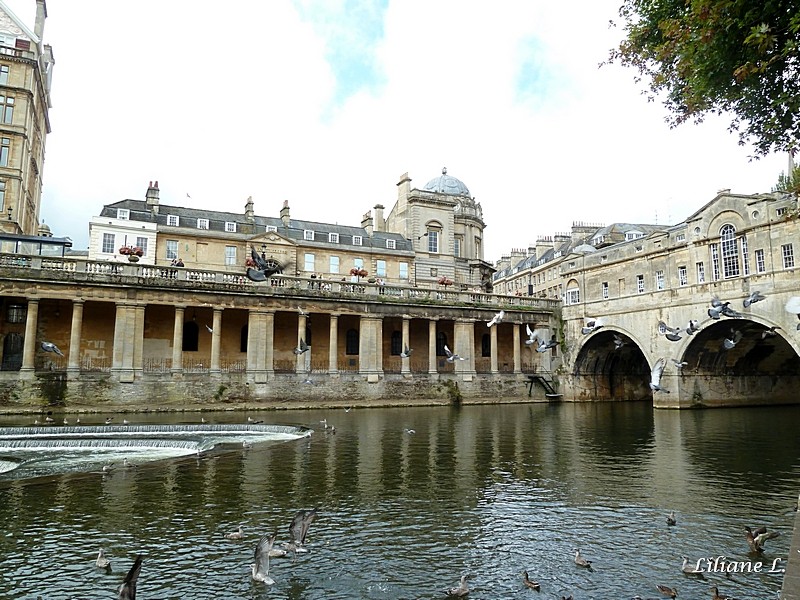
<point>145,275</point>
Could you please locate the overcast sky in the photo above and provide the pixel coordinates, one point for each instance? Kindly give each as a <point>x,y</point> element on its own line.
<point>326,103</point>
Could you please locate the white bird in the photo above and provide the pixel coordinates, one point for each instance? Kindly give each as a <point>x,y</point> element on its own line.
<point>591,325</point>
<point>531,335</point>
<point>409,431</point>
<point>303,347</point>
<point>460,590</point>
<point>452,357</point>
<point>689,569</point>
<point>793,307</point>
<point>102,562</point>
<point>406,352</point>
<point>679,364</point>
<point>302,312</point>
<point>260,568</point>
<point>51,347</point>
<point>254,421</point>
<point>49,420</point>
<point>729,342</point>
<point>127,591</point>
<point>496,319</point>
<point>581,561</point>
<point>671,333</point>
<point>125,422</point>
<point>209,328</point>
<point>753,298</point>
<point>655,375</point>
<point>108,420</point>
<point>235,535</point>
<point>770,332</point>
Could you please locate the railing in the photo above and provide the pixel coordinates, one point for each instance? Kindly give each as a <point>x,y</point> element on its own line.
<point>146,275</point>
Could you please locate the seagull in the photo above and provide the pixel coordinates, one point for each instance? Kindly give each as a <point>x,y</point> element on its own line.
<point>460,590</point>
<point>254,421</point>
<point>102,562</point>
<point>671,333</point>
<point>127,591</point>
<point>51,347</point>
<point>689,569</point>
<point>735,337</point>
<point>303,347</point>
<point>591,325</point>
<point>298,529</point>
<point>679,364</point>
<point>667,591</point>
<point>753,298</point>
<point>409,431</point>
<point>235,535</point>
<point>671,518</point>
<point>655,375</point>
<point>770,332</point>
<point>756,538</point>
<point>209,328</point>
<point>496,319</point>
<point>534,585</point>
<point>406,352</point>
<point>694,327</point>
<point>260,568</point>
<point>450,356</point>
<point>582,562</point>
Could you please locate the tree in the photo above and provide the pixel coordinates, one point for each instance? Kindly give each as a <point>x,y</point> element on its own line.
<point>789,182</point>
<point>720,56</point>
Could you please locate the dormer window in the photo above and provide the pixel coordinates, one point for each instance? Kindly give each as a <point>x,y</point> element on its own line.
<point>172,220</point>
<point>633,235</point>
<point>271,228</point>
<point>391,244</point>
<point>202,223</point>
<point>333,238</point>
<point>357,239</point>
<point>123,213</point>
<point>230,226</point>
<point>308,235</point>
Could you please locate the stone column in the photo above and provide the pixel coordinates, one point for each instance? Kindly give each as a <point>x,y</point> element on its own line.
<point>405,363</point>
<point>30,343</point>
<point>74,360</point>
<point>464,345</point>
<point>303,359</point>
<point>256,348</point>
<point>269,344</point>
<point>333,346</point>
<point>493,349</point>
<point>517,351</point>
<point>369,350</point>
<point>124,343</point>
<point>216,338</point>
<point>177,341</point>
<point>432,347</point>
<point>138,339</point>
<point>379,344</point>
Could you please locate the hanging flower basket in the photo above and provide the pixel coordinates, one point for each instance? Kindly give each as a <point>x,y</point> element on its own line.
<point>445,281</point>
<point>356,272</point>
<point>131,251</point>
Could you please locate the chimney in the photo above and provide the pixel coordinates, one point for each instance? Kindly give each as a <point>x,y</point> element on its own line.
<point>285,213</point>
<point>41,15</point>
<point>543,244</point>
<point>380,223</point>
<point>366,222</point>
<point>152,197</point>
<point>249,215</point>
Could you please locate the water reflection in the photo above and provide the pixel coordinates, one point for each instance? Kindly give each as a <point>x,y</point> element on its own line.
<point>486,490</point>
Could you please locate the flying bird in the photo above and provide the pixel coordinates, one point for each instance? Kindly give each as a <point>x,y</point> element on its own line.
<point>673,334</point>
<point>770,332</point>
<point>753,298</point>
<point>756,538</point>
<point>545,346</point>
<point>302,312</point>
<point>409,431</point>
<point>534,585</point>
<point>496,319</point>
<point>303,347</point>
<point>694,327</point>
<point>260,568</point>
<point>298,529</point>
<point>679,364</point>
<point>591,324</point>
<point>406,352</point>
<point>208,327</point>
<point>460,590</point>
<point>655,375</point>
<point>127,591</point>
<point>51,347</point>
<point>102,562</point>
<point>730,342</point>
<point>263,268</point>
<point>618,341</point>
<point>452,357</point>
<point>717,308</point>
<point>531,335</point>
<point>581,561</point>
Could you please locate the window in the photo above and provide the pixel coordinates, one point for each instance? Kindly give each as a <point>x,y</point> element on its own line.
<point>780,212</point>
<point>730,251</point>
<point>380,268</point>
<point>396,343</point>
<point>659,280</point>
<point>3,74</point>
<point>17,313</point>
<point>333,238</point>
<point>683,278</point>
<point>308,235</point>
<point>230,226</point>
<point>681,237</point>
<point>2,195</point>
<point>403,274</point>
<point>604,290</point>
<point>172,249</point>
<point>357,240</point>
<point>271,228</point>
<point>761,265</point>
<point>573,296</point>
<point>230,255</point>
<point>391,244</point>
<point>351,342</point>
<point>633,235</point>
<point>108,243</point>
<point>141,242</point>
<point>433,242</point>
<point>5,148</point>
<point>308,262</point>
<point>172,220</point>
<point>640,284</point>
<point>457,246</point>
<point>715,260</point>
<point>6,109</point>
<point>701,273</point>
<point>358,263</point>
<point>123,213</point>
<point>333,265</point>
<point>745,256</point>
<point>202,223</point>
<point>787,251</point>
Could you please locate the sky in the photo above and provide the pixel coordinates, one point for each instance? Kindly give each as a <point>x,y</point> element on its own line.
<point>327,103</point>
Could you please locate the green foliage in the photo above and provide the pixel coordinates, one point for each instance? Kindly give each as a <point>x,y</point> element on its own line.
<point>789,183</point>
<point>712,56</point>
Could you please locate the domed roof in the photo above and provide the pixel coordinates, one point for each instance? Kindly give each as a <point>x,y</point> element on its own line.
<point>447,184</point>
<point>44,230</point>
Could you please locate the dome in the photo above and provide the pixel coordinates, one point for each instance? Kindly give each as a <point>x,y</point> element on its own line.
<point>447,184</point>
<point>44,230</point>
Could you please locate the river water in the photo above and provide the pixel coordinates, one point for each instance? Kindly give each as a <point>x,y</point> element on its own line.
<point>487,491</point>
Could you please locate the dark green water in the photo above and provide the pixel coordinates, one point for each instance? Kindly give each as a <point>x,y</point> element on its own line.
<point>484,490</point>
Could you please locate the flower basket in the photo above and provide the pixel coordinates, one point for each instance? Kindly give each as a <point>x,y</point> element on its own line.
<point>131,251</point>
<point>445,281</point>
<point>356,272</point>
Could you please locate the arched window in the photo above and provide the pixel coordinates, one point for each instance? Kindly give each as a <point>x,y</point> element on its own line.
<point>351,342</point>
<point>396,343</point>
<point>441,342</point>
<point>191,333</point>
<point>486,345</point>
<point>729,247</point>
<point>243,339</point>
<point>573,295</point>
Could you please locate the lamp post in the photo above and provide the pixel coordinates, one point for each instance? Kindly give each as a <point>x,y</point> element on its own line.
<point>419,237</point>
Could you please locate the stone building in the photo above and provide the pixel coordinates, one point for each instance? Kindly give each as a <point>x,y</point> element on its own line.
<point>26,67</point>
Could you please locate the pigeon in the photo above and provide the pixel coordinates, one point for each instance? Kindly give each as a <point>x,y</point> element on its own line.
<point>531,335</point>
<point>127,591</point>
<point>406,352</point>
<point>260,568</point>
<point>717,306</point>
<point>694,327</point>
<point>496,319</point>
<point>591,325</point>
<point>618,341</point>
<point>679,364</point>
<point>655,375</point>
<point>671,333</point>
<point>770,332</point>
<point>452,357</point>
<point>460,590</point>
<point>409,431</point>
<point>545,346</point>
<point>263,268</point>
<point>303,347</point>
<point>753,298</point>
<point>756,538</point>
<point>729,342</point>
<point>51,347</point>
<point>208,327</point>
